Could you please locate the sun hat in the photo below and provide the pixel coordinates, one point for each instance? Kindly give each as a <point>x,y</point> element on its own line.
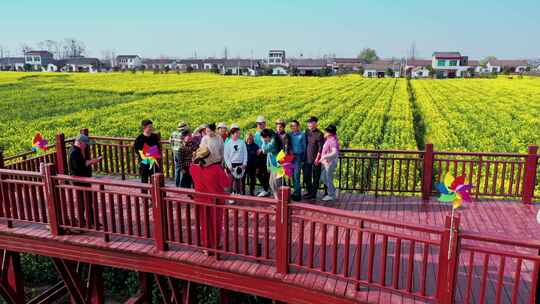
<point>201,154</point>
<point>235,126</point>
<point>84,139</point>
<point>222,125</point>
<point>181,126</point>
<point>260,119</point>
<point>237,172</point>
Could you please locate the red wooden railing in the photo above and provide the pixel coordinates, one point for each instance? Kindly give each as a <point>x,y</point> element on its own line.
<point>510,175</point>
<point>412,260</point>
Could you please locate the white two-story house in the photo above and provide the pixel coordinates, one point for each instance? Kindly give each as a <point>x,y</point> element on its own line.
<point>449,64</point>
<point>128,62</point>
<point>38,60</point>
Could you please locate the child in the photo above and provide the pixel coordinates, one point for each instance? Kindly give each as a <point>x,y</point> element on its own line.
<point>251,170</point>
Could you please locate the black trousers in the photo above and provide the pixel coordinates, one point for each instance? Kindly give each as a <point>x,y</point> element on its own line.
<point>312,176</point>
<point>250,179</point>
<point>145,172</point>
<point>262,172</point>
<point>85,204</point>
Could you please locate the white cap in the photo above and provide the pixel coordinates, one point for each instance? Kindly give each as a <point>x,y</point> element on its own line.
<point>222,125</point>
<point>235,126</point>
<point>260,118</point>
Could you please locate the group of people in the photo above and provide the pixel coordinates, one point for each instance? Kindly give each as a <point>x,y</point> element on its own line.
<point>245,160</point>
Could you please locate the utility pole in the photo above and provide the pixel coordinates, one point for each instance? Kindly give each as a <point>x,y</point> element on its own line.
<point>413,50</point>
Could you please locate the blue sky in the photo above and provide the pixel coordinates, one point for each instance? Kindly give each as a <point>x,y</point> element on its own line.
<point>179,28</point>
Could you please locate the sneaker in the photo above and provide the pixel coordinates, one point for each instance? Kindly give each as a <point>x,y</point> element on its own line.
<point>263,194</point>
<point>230,202</point>
<point>327,198</point>
<point>308,196</point>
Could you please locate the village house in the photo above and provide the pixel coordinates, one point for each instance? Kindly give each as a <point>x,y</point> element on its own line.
<point>38,60</point>
<point>383,68</point>
<point>210,64</point>
<point>12,64</point>
<point>128,62</point>
<point>347,65</point>
<point>276,57</point>
<point>307,66</point>
<point>81,64</point>
<point>449,64</point>
<point>245,67</point>
<point>159,64</point>
<point>417,68</point>
<point>512,66</point>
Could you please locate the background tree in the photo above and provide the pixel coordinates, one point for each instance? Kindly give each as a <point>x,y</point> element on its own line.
<point>73,48</point>
<point>390,72</point>
<point>368,54</point>
<point>25,48</point>
<point>484,61</point>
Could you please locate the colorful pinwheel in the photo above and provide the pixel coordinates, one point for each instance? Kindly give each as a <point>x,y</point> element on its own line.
<point>282,164</point>
<point>454,190</point>
<point>150,155</point>
<point>39,143</point>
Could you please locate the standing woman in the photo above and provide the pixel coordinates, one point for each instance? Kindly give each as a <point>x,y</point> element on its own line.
<point>329,156</point>
<point>236,158</point>
<point>271,146</point>
<point>208,177</point>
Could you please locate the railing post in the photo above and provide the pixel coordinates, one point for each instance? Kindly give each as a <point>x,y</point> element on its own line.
<point>121,155</point>
<point>158,214</point>
<point>427,175</point>
<point>61,157</point>
<point>529,180</point>
<point>282,230</point>
<point>1,159</point>
<point>448,260</point>
<point>47,171</point>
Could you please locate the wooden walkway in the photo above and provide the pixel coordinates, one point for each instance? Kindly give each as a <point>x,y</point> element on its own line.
<point>508,219</point>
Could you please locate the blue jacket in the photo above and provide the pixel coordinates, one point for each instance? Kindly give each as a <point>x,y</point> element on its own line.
<point>298,143</point>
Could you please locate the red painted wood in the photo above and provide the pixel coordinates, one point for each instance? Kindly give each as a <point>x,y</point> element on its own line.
<point>282,233</point>
<point>427,173</point>
<point>157,201</point>
<point>61,157</point>
<point>52,199</point>
<point>531,165</point>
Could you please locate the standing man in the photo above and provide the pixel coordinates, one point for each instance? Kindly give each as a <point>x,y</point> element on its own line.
<point>177,141</point>
<point>312,165</point>
<point>151,139</point>
<point>285,137</point>
<point>262,172</point>
<point>80,165</point>
<point>298,147</point>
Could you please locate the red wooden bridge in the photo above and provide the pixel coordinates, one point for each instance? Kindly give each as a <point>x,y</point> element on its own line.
<point>380,243</point>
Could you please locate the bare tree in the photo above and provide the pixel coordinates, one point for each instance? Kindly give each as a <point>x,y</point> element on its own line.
<point>24,48</point>
<point>74,47</point>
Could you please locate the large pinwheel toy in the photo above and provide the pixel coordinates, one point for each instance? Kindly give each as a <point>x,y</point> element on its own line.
<point>150,155</point>
<point>282,164</point>
<point>39,143</point>
<point>454,190</point>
